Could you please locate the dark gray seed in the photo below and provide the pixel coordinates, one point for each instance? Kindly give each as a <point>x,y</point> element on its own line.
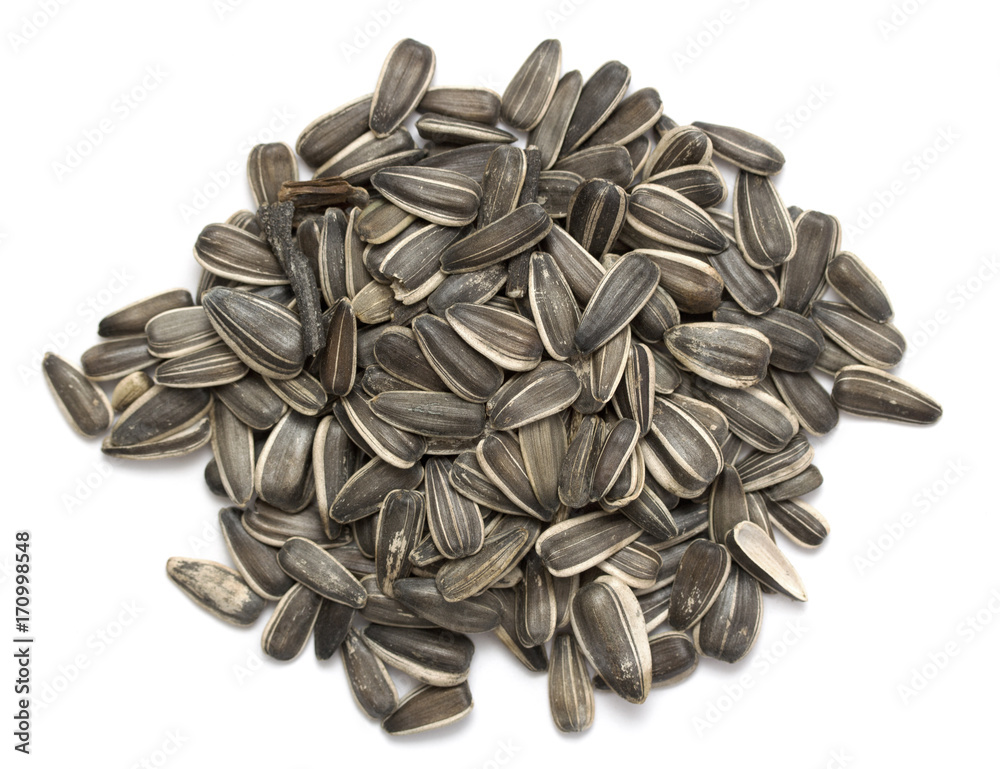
<point>543,446</point>
<point>868,392</point>
<point>255,560</point>
<point>550,132</point>
<point>400,523</point>
<point>264,334</point>
<point>808,480</point>
<point>761,469</point>
<point>455,522</point>
<point>229,252</point>
<point>617,299</point>
<point>382,610</point>
<point>667,377</point>
<point>531,89</point>
<point>82,403</point>
<point>212,479</point>
<point>729,629</point>
<point>287,631</point>
<point>209,367</point>
<point>218,589</point>
<point>480,105</point>
<point>727,504</point>
<point>128,390</point>
<point>268,167</point>
<point>465,372</point>
<point>398,353</point>
<point>635,115</point>
<point>381,221</point>
<point>596,214</point>
<point>431,414</point>
<point>397,447</point>
<point>445,129</point>
<point>232,445</point>
<point>470,481</point>
<point>509,340</point>
<point>703,185</point>
<point>377,380</point>
<point>725,353</point>
<point>752,548</point>
<point>764,230</point>
<point>555,189</point>
<point>756,291</point>
<point>833,358</point>
<point>469,288</point>
<point>547,389</point>
<point>639,151</point>
<point>440,196</point>
<point>275,527</point>
<point>317,569</point>
<point>502,183</point>
<point>132,318</point>
<point>339,362</point>
<point>358,163</point>
<point>808,400</point>
<point>356,275</point>
<point>565,588</point>
<point>860,288</point>
<point>634,397</point>
<point>462,578</point>
<point>731,447</point>
<point>184,441</point>
<point>534,658</point>
<point>598,98</point>
<point>535,604</point>
<point>429,707</point>
<point>501,460</point>
<point>606,368</point>
<point>691,519</point>
<point>115,359</point>
<point>552,305</point>
<point>582,271</point>
<point>610,628</point>
<point>800,522</point>
<point>159,413</point>
<point>621,441</point>
<point>637,565</point>
<point>304,393</point>
<point>364,532</point>
<point>436,657</point>
<point>695,286</point>
<point>711,418</point>
<point>680,453</point>
<point>743,149</point>
<point>651,514</point>
<point>576,472</point>
<point>803,281</point>
<point>879,345</point>
<point>283,475</point>
<point>179,332</point>
<point>333,625</point>
<point>674,659</point>
<point>756,416</point>
<point>700,578</point>
<point>606,161</point>
<point>330,133</point>
<point>473,615</point>
<point>371,685</point>
<point>680,146</point>
<point>667,217</point>
<point>503,239</point>
<point>470,160</point>
<point>571,693</point>
<point>402,83</point>
<point>573,546</point>
<point>796,342</point>
<point>252,401</point>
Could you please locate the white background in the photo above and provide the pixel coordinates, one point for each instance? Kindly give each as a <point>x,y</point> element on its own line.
<point>887,79</point>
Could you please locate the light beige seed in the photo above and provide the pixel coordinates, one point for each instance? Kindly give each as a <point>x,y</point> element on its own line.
<point>753,549</point>
<point>218,589</point>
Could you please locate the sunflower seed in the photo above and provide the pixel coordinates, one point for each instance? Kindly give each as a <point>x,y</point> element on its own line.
<point>667,217</point>
<point>402,83</point>
<point>764,230</point>
<point>555,189</point>
<point>596,213</point>
<point>400,522</point>
<point>128,390</point>
<point>268,167</point>
<point>617,299</point>
<point>756,291</point>
<point>606,161</point>
<point>615,453</point>
<point>398,353</point>
<point>435,657</point>
<point>803,280</point>
<point>465,372</point>
<point>252,401</point>
<point>711,418</point>
<point>397,447</point>
<point>371,685</point>
<point>609,626</point>
<point>756,416</point>
<point>440,196</point>
<point>753,549</point>
<point>535,604</point>
<point>470,481</point>
<point>455,522</point>
<point>445,129</point>
<point>208,367</point>
<point>255,560</point>
<point>503,239</point>
<point>470,160</point>
<point>218,589</point>
<point>510,340</point>
<point>430,414</point>
<point>879,345</point>
<point>598,98</point>
<point>333,625</point>
<point>132,318</point>
<point>728,354</point>
<point>634,397</point>
<point>700,579</point>
<point>552,304</point>
<point>462,578</point>
<point>636,565</point>
<point>178,332</point>
<point>703,185</point>
<point>727,504</point>
<point>730,627</point>
<point>287,631</point>
<point>502,183</point>
<point>159,413</point>
<point>501,460</point>
<point>635,115</point>
<point>680,146</point>
<point>330,133</point>
<point>573,546</point>
<point>82,403</point>
<point>679,452</point>
<point>808,400</point>
<point>800,522</point>
<point>796,342</point>
<point>339,360</point>
<point>283,475</point>
<point>275,527</point>
<point>317,569</point>
<point>232,446</point>
<point>531,89</point>
<point>229,252</point>
<point>743,149</point>
<point>473,615</point>
<point>571,694</point>
<point>524,398</point>
<point>859,287</point>
<point>429,707</point>
<point>480,105</point>
<point>761,469</point>
<point>550,132</point>
<point>868,392</point>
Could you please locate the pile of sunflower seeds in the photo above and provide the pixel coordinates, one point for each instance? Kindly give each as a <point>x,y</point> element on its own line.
<point>552,393</point>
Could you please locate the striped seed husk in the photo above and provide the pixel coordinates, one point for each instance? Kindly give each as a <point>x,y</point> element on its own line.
<point>397,352</point>
<point>508,339</point>
<point>268,167</point>
<point>834,358</point>
<point>431,414</point>
<point>128,390</point>
<point>582,271</point>
<point>380,609</point>
<point>333,624</point>
<point>571,693</point>
<point>503,180</point>
<point>527,397</point>
<point>696,287</point>
<point>703,185</point>
<point>275,527</point>
<point>339,361</point>
<point>869,392</point>
<point>576,472</point>
<point>480,614</point>
<point>727,504</point>
<point>432,656</point>
<point>317,569</point>
<point>502,461</point>
<point>356,275</point>
<point>159,413</point>
<point>208,367</point>
<point>761,469</point>
<point>635,115</point>
<point>368,154</point>
<point>667,217</point>
<point>617,449</point>
<point>803,482</point>
<point>679,451</point>
<point>730,627</point>
<point>764,230</point>
<point>550,132</point>
<point>475,103</point>
<point>803,279</point>
<point>468,288</point>
<point>756,291</point>
<point>217,589</point>
<point>553,306</point>
<point>82,403</point>
<point>455,522</point>
<point>725,353</point>
<point>499,241</point>
<point>400,522</point>
<point>756,416</point>
<point>535,603</point>
<point>371,685</point>
<point>406,74</point>
<point>635,394</point>
<point>680,146</point>
<point>639,151</point>
<point>880,345</point>
<point>799,521</point>
<point>362,493</point>
<point>576,544</point>
<point>858,285</point>
<point>255,560</point>
<point>235,254</point>
<point>446,129</point>
<point>752,548</point>
<point>743,149</point>
<point>381,221</point>
<point>377,380</point>
<point>374,303</point>
<point>598,98</point>
<point>622,292</point>
<point>283,475</point>
<point>252,401</point>
<point>132,318</point>
<point>291,624</point>
<point>596,214</point>
<point>651,513</point>
<point>555,189</point>
<point>184,441</point>
<point>328,134</point>
<point>796,342</point>
<point>530,91</point>
<point>116,358</point>
<point>469,480</point>
<point>808,400</point>
<point>543,447</point>
<point>397,447</point>
<point>462,578</point>
<point>636,564</point>
<point>700,578</point>
<point>605,161</point>
<point>666,376</point>
<point>464,371</point>
<point>710,417</point>
<point>609,626</point>
<point>178,332</point>
<point>232,446</point>
<point>429,707</point>
<point>437,195</point>
<point>470,160</point>
<point>304,393</point>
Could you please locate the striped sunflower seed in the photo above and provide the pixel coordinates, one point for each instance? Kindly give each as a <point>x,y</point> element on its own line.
<point>480,105</point>
<point>679,452</point>
<point>728,354</point>
<point>429,707</point>
<point>808,401</point>
<point>455,522</point>
<point>503,181</point>
<point>275,527</point>
<point>445,129</point>
<point>764,230</point>
<point>230,252</point>
<point>730,627</point>
<point>595,215</point>
<point>571,693</point>
<point>406,74</point>
<point>803,281</point>
<point>368,154</point>
<point>799,521</point>
<point>255,560</point>
<point>576,544</point>
<point>333,625</point>
<point>268,167</point>
<point>440,196</point>
<point>208,367</point>
<point>555,189</point>
<point>703,185</point>
<point>397,447</point>
<point>499,241</point>
<point>635,115</point>
<point>727,504</point>
<point>508,339</point>
<point>283,475</point>
<point>217,589</point>
<point>479,614</point>
<point>232,446</point>
<point>605,161</point>
<point>550,132</point>
<point>339,360</point>
<point>753,549</point>
<point>462,578</point>
<point>761,469</point>
<point>317,569</point>
<point>132,318</point>
<point>667,217</point>
<point>543,447</point>
<point>252,401</point>
<point>436,657</point>
<point>371,685</point>
<point>680,146</point>
<point>502,462</point>
<point>598,98</point>
<point>808,480</point>
<point>700,578</point>
<point>617,299</point>
<point>116,358</point>
<point>431,414</point>
<point>743,149</point>
<point>531,89</point>
<point>82,403</point>
<point>859,287</point>
<point>178,332</point>
<point>524,398</point>
<point>879,345</point>
<point>868,392</point>
<point>796,342</point>
<point>330,133</point>
<point>535,604</point>
<point>128,390</point>
<point>159,413</point>
<point>637,565</point>
<point>400,522</point>
<point>466,372</point>
<point>287,631</point>
<point>756,416</point>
